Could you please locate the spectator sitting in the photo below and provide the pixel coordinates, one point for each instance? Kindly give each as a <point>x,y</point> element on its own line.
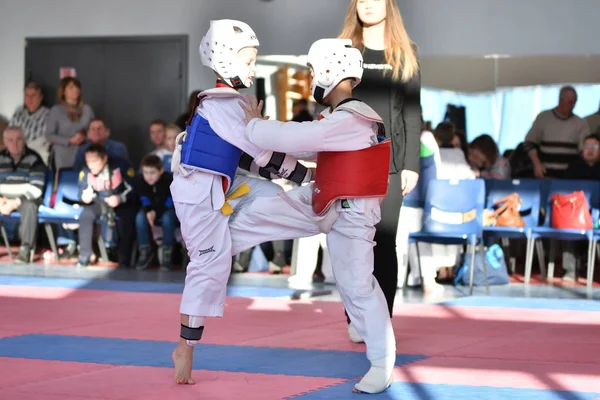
<point>105,186</point>
<point>22,176</point>
<point>158,136</point>
<point>31,117</point>
<point>521,165</point>
<point>157,209</point>
<point>587,167</point>
<point>98,133</point>
<point>486,159</point>
<point>453,162</point>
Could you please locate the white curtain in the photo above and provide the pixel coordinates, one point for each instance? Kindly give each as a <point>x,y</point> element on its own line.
<point>506,114</point>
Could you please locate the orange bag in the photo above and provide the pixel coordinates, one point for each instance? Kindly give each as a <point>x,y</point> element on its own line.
<point>571,211</point>
<point>507,214</point>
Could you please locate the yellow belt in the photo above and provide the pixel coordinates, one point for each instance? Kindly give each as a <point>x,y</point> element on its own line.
<point>239,192</point>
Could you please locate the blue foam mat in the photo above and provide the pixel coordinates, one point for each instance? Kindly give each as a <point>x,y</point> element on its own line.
<point>425,391</point>
<point>147,353</point>
<point>527,303</point>
<point>136,286</point>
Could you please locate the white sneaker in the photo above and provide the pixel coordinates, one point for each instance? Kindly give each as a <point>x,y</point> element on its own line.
<point>354,335</point>
<point>379,377</point>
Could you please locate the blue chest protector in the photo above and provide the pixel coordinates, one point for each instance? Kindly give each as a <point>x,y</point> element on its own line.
<point>205,150</point>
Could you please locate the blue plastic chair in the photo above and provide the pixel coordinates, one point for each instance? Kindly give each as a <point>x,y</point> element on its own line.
<point>453,214</point>
<point>416,198</point>
<point>592,194</point>
<point>65,210</point>
<point>592,260</point>
<point>14,216</point>
<point>428,172</point>
<point>529,190</point>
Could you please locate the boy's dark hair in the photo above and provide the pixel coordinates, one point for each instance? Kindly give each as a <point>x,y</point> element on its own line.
<point>444,133</point>
<point>594,136</point>
<point>487,145</point>
<point>158,122</point>
<point>97,119</point>
<point>300,102</point>
<point>152,161</point>
<point>98,149</point>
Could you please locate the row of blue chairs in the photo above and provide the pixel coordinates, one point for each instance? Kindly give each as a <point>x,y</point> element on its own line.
<point>63,209</point>
<point>453,214</point>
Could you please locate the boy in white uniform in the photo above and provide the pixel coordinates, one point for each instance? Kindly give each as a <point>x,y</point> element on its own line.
<point>204,167</point>
<point>352,177</point>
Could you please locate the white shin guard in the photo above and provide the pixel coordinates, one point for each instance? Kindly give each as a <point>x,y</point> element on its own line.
<point>379,376</point>
<point>193,333</point>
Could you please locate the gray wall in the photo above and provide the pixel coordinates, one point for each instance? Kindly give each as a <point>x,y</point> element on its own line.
<point>440,27</point>
<point>282,26</point>
<point>515,27</point>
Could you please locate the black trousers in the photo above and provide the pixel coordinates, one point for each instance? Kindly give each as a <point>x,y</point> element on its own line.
<point>386,261</point>
<point>28,224</point>
<point>125,225</point>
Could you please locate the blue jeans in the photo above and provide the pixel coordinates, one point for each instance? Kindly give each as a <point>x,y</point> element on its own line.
<point>168,222</point>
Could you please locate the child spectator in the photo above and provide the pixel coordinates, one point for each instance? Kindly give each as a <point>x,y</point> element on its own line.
<point>157,210</point>
<point>106,189</point>
<point>172,131</point>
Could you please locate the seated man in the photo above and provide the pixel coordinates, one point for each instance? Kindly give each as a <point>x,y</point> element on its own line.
<point>157,210</point>
<point>158,137</point>
<point>105,186</point>
<point>587,167</point>
<point>98,133</point>
<point>22,176</point>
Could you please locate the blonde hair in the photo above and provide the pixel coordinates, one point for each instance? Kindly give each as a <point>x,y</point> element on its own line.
<point>174,127</point>
<point>400,52</point>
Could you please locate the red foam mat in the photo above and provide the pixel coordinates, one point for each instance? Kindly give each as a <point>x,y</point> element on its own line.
<point>420,329</point>
<point>579,377</point>
<point>515,348</point>
<point>146,383</point>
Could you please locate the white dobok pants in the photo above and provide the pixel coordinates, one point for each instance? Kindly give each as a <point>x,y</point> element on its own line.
<point>268,213</point>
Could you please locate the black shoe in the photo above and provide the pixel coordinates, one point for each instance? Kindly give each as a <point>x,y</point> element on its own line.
<point>318,277</point>
<point>24,255</point>
<point>69,251</point>
<point>166,262</point>
<point>144,257</point>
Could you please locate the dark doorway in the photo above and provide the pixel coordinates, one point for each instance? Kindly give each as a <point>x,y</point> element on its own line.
<point>128,81</point>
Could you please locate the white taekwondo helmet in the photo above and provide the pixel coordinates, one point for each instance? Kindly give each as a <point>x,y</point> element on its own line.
<point>333,60</point>
<point>220,46</point>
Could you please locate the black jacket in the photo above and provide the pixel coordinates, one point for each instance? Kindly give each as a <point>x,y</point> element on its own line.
<point>399,105</point>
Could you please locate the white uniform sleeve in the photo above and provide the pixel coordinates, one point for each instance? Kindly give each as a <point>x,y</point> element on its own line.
<point>341,131</point>
<point>229,122</point>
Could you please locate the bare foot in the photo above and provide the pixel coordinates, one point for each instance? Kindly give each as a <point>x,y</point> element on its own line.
<point>182,356</point>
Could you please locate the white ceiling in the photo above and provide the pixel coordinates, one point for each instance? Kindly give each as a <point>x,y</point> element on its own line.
<point>477,74</point>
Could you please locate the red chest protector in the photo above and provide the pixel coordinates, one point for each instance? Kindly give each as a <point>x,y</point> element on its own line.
<point>352,174</point>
